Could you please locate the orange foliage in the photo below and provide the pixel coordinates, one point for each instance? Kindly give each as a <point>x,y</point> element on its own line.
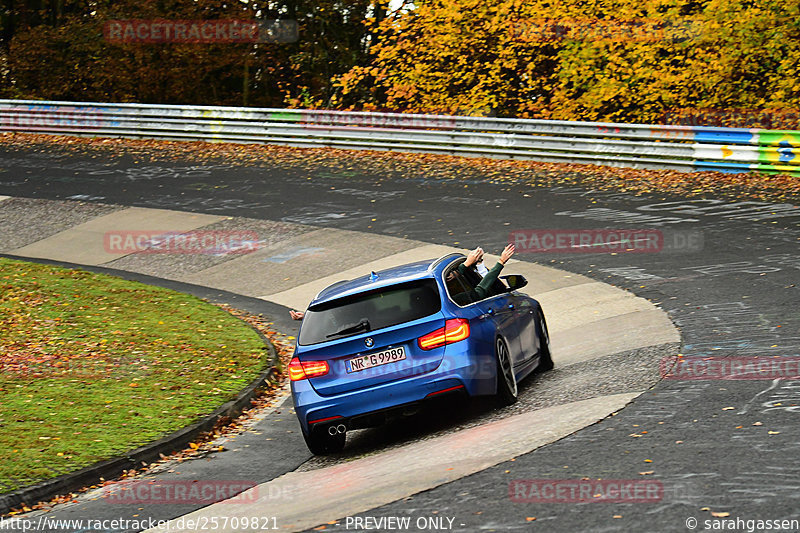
<point>609,60</point>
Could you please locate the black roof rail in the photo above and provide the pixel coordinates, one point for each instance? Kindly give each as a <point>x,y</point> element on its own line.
<point>443,259</point>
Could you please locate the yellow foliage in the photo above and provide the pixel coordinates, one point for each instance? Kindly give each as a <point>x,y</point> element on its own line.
<point>610,60</point>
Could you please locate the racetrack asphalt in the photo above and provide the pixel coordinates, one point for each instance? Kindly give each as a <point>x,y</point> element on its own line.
<point>585,319</point>
<point>722,446</point>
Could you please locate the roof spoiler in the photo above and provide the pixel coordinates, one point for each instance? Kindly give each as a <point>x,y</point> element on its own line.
<point>330,287</point>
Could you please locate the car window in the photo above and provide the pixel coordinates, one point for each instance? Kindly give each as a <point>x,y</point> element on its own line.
<point>370,311</point>
<point>458,292</point>
<point>458,287</point>
<point>461,286</point>
<point>471,277</point>
<point>498,287</point>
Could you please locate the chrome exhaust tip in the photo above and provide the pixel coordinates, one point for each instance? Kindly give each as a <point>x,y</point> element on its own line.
<point>337,430</point>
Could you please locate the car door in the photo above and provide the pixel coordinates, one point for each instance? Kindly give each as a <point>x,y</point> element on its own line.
<point>526,324</point>
<point>502,309</point>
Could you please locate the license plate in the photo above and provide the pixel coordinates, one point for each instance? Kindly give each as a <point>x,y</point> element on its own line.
<point>384,357</point>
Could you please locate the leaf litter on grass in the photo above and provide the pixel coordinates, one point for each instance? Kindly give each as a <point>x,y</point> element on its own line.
<point>93,365</point>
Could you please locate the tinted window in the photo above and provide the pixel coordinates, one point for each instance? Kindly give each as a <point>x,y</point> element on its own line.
<point>369,311</point>
<point>461,286</point>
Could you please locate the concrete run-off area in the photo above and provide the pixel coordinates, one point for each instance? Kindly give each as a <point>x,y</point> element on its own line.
<point>595,328</point>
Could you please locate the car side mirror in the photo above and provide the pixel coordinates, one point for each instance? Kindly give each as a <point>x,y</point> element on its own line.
<point>515,281</point>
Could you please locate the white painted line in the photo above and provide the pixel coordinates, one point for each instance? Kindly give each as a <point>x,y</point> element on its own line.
<point>319,496</point>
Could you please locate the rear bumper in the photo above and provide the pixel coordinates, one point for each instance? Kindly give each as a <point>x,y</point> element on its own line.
<point>458,372</point>
<point>382,416</point>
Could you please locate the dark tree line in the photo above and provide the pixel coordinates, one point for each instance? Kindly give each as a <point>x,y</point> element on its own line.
<point>56,50</point>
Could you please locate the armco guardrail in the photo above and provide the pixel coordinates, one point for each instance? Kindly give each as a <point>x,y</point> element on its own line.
<point>688,148</point>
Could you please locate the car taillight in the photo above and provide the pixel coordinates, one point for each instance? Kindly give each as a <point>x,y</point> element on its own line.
<point>454,330</point>
<point>307,369</point>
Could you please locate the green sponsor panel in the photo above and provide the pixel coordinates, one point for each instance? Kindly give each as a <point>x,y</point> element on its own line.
<point>776,136</point>
<point>295,116</point>
<point>779,147</point>
<point>777,169</point>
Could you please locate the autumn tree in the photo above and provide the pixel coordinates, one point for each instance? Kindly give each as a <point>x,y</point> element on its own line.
<point>611,60</point>
<point>56,50</point>
<point>615,60</point>
<point>451,57</point>
<point>732,54</point>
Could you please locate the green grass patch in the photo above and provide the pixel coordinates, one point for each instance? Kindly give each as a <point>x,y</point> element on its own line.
<point>92,366</point>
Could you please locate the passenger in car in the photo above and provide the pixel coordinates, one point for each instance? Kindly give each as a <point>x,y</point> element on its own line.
<point>484,288</point>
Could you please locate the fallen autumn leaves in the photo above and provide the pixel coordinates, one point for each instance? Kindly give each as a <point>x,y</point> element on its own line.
<point>82,354</point>
<point>761,186</point>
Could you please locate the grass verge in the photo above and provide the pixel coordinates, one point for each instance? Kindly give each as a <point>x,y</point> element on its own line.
<point>93,365</point>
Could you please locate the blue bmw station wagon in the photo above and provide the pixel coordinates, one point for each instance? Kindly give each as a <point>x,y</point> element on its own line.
<point>377,346</point>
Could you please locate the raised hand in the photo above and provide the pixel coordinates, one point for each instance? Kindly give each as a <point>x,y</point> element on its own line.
<point>507,253</point>
<point>475,256</point>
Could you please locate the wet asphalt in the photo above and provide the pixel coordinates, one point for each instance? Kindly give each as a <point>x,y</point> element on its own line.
<point>728,279</point>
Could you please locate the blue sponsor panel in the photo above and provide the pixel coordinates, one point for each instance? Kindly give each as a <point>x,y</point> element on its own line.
<point>727,167</point>
<point>780,148</point>
<point>725,135</point>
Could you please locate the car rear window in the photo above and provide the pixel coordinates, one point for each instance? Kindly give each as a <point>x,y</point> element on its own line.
<point>370,311</point>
